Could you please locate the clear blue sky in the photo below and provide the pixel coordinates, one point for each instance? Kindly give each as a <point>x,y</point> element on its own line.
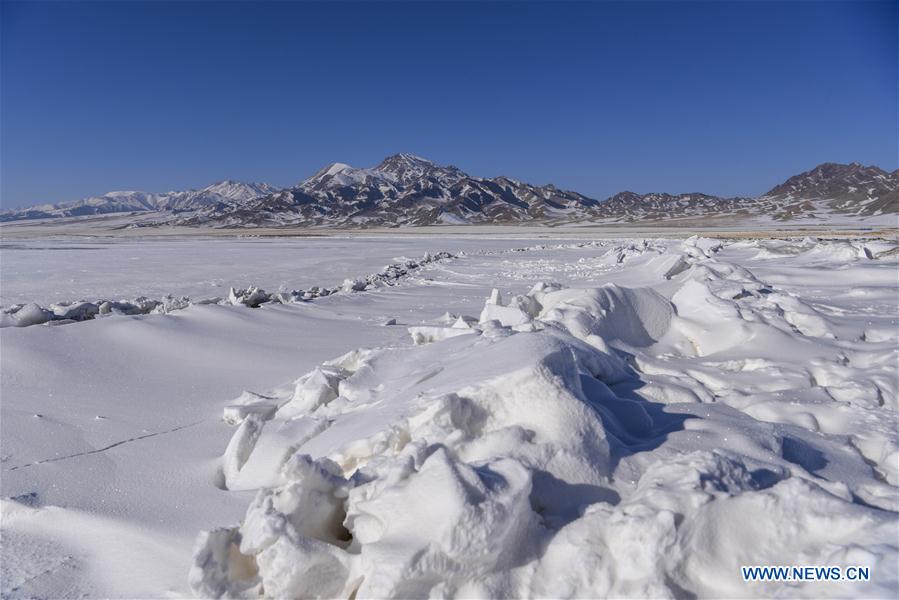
<point>726,97</point>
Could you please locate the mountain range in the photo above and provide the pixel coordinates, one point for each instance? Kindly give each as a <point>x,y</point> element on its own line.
<point>406,190</point>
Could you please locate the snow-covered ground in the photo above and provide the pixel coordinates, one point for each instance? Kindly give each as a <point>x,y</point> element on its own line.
<point>48,271</point>
<point>620,418</point>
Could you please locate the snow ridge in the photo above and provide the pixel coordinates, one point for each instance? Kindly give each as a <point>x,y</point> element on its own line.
<point>24,315</point>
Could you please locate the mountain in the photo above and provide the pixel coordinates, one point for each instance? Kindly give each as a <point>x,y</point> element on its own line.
<point>830,192</point>
<point>221,194</point>
<point>402,190</point>
<point>630,207</point>
<point>407,190</point>
<point>851,189</point>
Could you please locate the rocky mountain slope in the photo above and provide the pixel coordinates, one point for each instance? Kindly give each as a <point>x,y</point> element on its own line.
<point>851,189</point>
<point>406,190</point>
<point>830,191</point>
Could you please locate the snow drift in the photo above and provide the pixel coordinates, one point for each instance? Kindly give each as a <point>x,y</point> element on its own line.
<point>611,441</point>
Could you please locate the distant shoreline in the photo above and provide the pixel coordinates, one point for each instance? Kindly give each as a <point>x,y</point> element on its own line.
<point>92,229</point>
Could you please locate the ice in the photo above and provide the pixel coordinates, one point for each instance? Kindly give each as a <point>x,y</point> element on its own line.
<point>30,314</point>
<point>426,335</point>
<point>252,297</point>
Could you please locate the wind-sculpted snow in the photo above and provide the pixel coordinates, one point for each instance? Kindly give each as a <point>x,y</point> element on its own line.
<point>609,441</point>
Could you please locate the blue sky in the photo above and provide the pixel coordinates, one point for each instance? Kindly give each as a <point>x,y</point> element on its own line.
<point>726,98</point>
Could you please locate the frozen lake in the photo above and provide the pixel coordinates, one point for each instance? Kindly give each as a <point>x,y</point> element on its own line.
<point>619,418</point>
<point>49,271</point>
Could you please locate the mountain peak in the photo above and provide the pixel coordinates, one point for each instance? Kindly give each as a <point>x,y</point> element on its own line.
<point>408,170</point>
<point>397,163</point>
<point>408,159</point>
<point>333,169</point>
<point>830,179</point>
<point>224,184</point>
<point>238,190</point>
<point>338,175</point>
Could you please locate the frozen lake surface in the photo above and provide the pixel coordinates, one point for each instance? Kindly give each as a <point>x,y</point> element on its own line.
<point>531,418</point>
<point>48,271</point>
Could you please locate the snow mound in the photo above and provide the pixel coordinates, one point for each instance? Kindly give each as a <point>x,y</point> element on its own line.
<point>491,452</point>
<point>514,457</point>
<point>635,317</point>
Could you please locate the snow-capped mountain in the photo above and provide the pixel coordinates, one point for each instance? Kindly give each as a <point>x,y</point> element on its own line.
<point>113,202</point>
<point>407,190</point>
<point>402,190</point>
<point>397,171</point>
<point>221,194</point>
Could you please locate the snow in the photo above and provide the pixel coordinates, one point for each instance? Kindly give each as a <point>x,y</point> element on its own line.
<point>117,269</point>
<point>337,168</point>
<point>624,418</point>
<point>340,175</point>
